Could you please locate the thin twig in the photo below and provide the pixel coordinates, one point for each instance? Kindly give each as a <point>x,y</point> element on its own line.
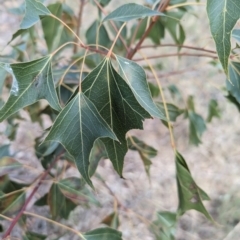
<point>179,45</point>
<point>162,6</point>
<point>79,23</point>
<point>177,54</point>
<point>44,175</point>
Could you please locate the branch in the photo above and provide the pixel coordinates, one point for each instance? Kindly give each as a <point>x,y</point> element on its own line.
<point>79,22</point>
<point>44,175</point>
<point>178,54</point>
<point>162,6</point>
<point>179,45</point>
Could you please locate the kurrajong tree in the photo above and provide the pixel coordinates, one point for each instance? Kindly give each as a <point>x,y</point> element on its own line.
<point>97,97</point>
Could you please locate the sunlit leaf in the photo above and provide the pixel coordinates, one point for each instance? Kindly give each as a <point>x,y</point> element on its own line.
<point>116,103</point>
<point>135,77</point>
<point>213,110</point>
<point>223,15</point>
<point>33,10</point>
<point>131,11</point>
<point>190,196</point>
<point>8,164</point>
<point>77,127</point>
<point>103,234</point>
<point>32,81</point>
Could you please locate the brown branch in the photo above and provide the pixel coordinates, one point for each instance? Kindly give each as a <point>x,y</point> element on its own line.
<point>177,54</point>
<point>162,6</point>
<point>44,175</point>
<point>79,22</point>
<point>179,45</point>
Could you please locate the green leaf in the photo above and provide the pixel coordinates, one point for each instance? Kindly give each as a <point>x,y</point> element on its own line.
<point>189,194</point>
<point>145,151</point>
<point>196,127</point>
<point>98,152</point>
<point>213,110</point>
<point>233,86</point>
<point>12,202</point>
<point>104,2</point>
<point>135,77</point>
<point>34,236</point>
<point>33,10</point>
<point>233,100</point>
<point>50,25</point>
<point>223,15</point>
<point>94,30</point>
<point>173,110</point>
<point>103,234</point>
<point>8,164</point>
<point>154,89</point>
<point>4,151</point>
<point>73,189</point>
<point>77,127</point>
<point>131,11</point>
<point>32,81</point>
<point>164,227</point>
<point>59,204</point>
<point>117,105</point>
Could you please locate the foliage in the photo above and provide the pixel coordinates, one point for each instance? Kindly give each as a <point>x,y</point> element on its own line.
<point>96,98</point>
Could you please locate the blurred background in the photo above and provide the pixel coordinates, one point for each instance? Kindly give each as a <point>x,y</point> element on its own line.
<point>214,164</point>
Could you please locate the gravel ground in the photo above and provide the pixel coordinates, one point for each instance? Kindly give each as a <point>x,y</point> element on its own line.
<point>214,164</point>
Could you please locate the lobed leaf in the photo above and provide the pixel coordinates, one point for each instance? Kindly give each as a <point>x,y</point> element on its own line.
<point>223,15</point>
<point>131,11</point>
<point>117,105</point>
<point>77,127</point>
<point>33,10</point>
<point>32,81</point>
